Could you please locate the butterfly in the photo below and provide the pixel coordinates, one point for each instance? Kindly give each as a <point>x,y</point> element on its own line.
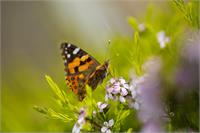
<point>82,69</point>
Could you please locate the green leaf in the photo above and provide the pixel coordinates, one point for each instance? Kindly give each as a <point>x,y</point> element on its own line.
<point>130,130</point>
<point>89,101</point>
<point>136,37</point>
<point>50,113</point>
<point>59,93</point>
<point>89,92</point>
<point>132,21</point>
<point>121,116</point>
<point>40,109</point>
<point>54,115</point>
<point>124,115</point>
<point>189,11</point>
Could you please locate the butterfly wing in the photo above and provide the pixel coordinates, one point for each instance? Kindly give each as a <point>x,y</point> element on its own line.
<point>78,67</point>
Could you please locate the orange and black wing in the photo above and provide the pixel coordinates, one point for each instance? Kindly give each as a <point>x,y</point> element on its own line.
<point>78,67</point>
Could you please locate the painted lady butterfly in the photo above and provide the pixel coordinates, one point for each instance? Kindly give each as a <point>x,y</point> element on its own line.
<point>82,69</point>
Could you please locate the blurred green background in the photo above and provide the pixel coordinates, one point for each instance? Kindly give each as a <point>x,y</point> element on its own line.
<point>31,36</point>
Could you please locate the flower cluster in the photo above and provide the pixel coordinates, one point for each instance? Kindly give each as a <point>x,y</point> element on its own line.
<point>117,88</point>
<point>81,121</point>
<point>107,126</point>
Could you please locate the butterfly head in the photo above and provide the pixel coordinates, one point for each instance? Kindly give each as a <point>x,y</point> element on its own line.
<point>104,66</point>
<point>103,69</point>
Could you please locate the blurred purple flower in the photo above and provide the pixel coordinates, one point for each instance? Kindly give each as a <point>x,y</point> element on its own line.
<point>107,126</point>
<point>151,109</point>
<point>187,75</point>
<point>81,121</point>
<point>134,101</point>
<point>162,39</point>
<point>152,127</point>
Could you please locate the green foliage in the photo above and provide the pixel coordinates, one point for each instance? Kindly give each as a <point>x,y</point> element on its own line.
<point>189,11</point>
<point>62,100</point>
<point>120,117</point>
<point>50,113</point>
<point>61,96</point>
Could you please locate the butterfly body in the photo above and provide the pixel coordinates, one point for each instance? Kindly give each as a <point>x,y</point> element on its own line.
<point>81,69</point>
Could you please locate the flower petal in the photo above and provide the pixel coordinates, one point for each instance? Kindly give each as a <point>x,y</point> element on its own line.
<point>99,104</point>
<point>76,128</point>
<point>104,105</point>
<point>122,81</point>
<point>116,84</point>
<point>122,99</point>
<point>112,80</point>
<point>126,86</point>
<point>94,113</point>
<point>81,120</point>
<point>110,96</point>
<point>141,27</point>
<point>109,89</point>
<point>106,97</point>
<point>111,123</point>
<point>106,123</point>
<point>116,90</point>
<point>136,105</point>
<point>133,94</point>
<point>108,131</point>
<point>123,92</point>
<point>103,129</point>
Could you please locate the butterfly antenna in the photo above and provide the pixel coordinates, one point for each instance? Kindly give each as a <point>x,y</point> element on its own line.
<point>107,49</point>
<point>108,46</point>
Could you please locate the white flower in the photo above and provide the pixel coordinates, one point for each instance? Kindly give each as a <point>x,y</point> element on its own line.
<point>101,106</point>
<point>104,129</point>
<point>134,105</point>
<point>80,122</point>
<point>76,128</point>
<point>112,80</point>
<point>141,27</point>
<point>162,39</point>
<point>107,126</point>
<point>108,96</point>
<point>94,113</point>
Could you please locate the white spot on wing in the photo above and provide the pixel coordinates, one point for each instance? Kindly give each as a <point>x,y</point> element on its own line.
<point>76,50</point>
<point>68,55</point>
<point>65,52</point>
<point>65,48</point>
<point>68,45</point>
